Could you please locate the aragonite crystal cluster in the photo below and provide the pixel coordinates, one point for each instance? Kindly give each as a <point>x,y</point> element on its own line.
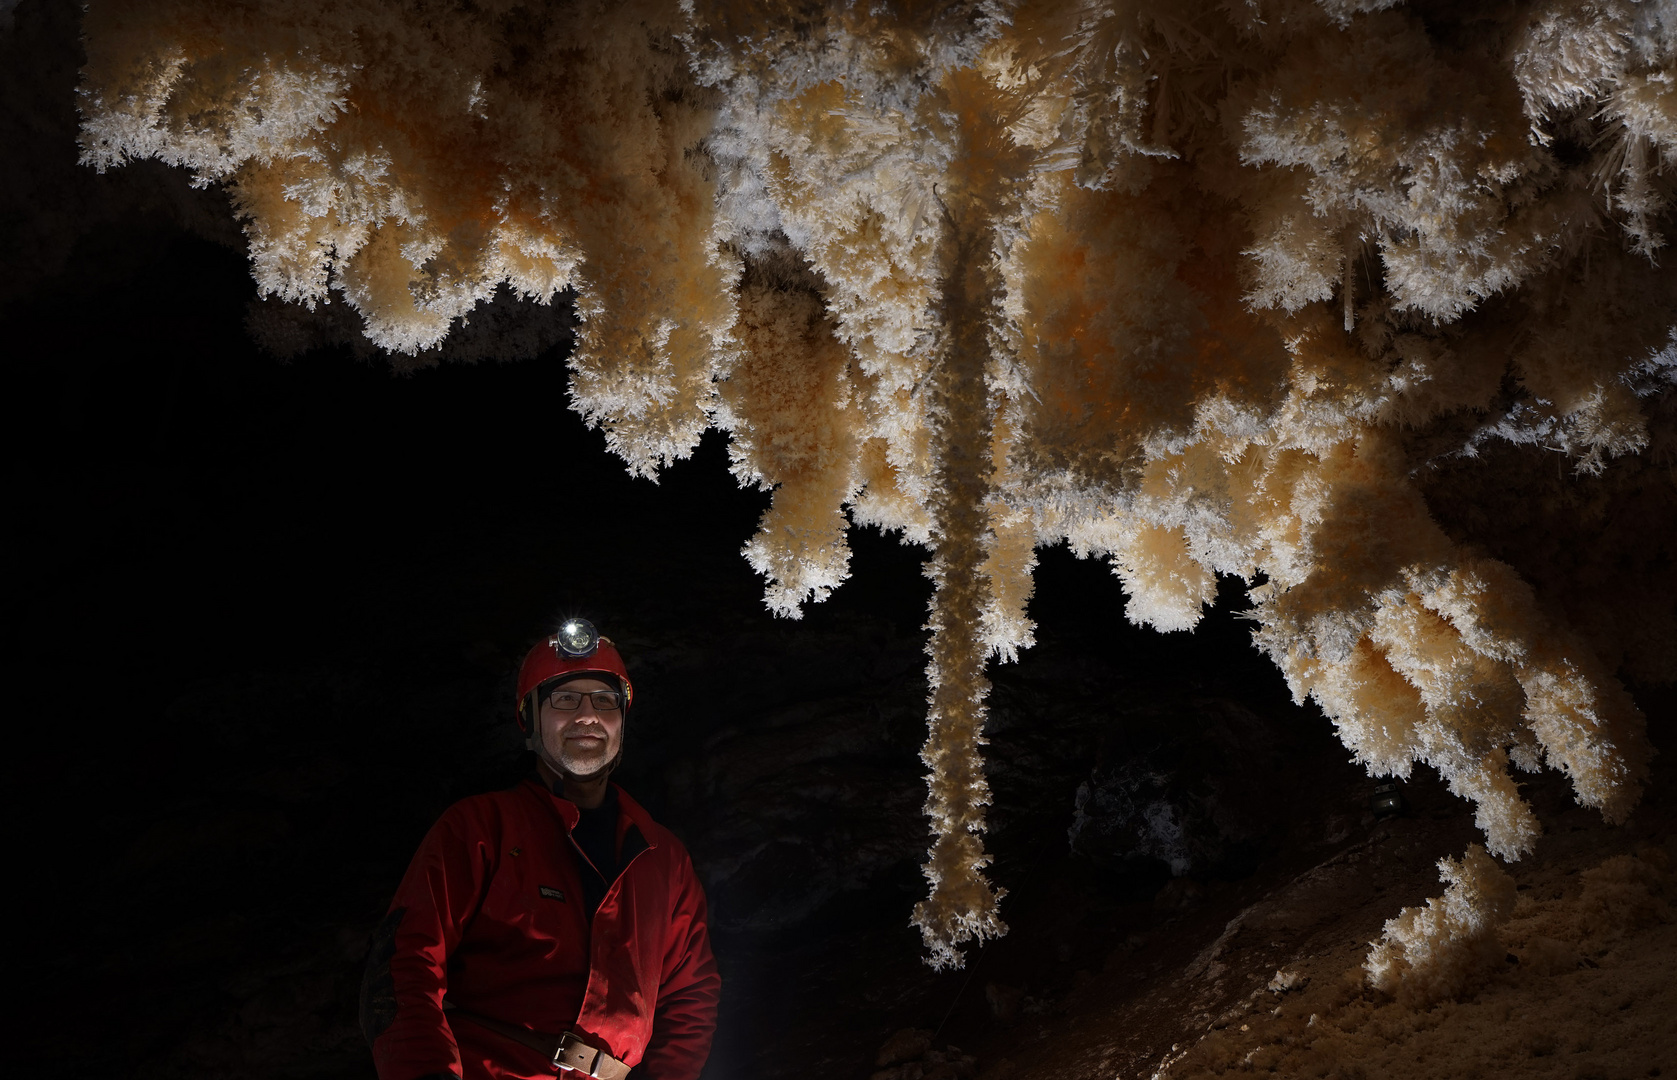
<point>1366,303</point>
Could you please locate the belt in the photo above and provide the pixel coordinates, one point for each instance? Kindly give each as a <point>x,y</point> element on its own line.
<point>566,1051</point>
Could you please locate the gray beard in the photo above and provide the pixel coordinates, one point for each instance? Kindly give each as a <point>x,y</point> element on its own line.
<point>534,742</point>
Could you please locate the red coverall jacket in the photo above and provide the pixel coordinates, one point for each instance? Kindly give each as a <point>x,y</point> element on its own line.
<point>491,913</point>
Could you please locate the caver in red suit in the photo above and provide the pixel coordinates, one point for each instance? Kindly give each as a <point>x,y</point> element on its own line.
<point>491,936</point>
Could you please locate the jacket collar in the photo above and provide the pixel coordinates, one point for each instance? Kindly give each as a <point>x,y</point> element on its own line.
<point>632,812</point>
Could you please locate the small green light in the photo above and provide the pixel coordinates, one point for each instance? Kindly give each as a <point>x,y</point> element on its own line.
<point>1387,800</point>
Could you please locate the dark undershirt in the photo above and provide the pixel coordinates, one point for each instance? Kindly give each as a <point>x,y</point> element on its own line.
<point>596,835</point>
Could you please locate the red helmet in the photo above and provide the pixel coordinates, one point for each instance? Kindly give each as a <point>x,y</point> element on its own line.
<point>576,649</point>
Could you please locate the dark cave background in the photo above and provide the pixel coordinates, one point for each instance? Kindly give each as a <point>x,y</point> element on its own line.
<point>274,610</point>
<point>266,612</point>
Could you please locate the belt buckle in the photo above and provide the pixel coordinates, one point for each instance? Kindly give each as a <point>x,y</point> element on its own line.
<point>568,1042</point>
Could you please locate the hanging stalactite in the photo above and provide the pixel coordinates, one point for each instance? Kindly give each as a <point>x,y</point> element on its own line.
<point>1284,291</point>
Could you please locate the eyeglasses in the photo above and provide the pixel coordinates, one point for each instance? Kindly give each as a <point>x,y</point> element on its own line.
<point>571,700</point>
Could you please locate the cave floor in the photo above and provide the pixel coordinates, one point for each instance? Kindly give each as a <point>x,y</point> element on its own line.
<point>1189,992</point>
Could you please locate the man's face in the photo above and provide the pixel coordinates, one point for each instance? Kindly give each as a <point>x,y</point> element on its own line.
<point>584,740</point>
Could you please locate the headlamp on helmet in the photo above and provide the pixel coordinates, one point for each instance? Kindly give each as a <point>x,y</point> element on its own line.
<point>576,639</point>
<point>575,649</point>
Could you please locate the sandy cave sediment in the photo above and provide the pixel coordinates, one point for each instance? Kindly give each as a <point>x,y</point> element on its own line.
<point>1269,977</point>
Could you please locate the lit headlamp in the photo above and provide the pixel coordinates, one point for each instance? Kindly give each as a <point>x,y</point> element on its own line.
<point>576,639</point>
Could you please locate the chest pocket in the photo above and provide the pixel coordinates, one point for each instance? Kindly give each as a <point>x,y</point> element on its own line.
<point>530,908</point>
